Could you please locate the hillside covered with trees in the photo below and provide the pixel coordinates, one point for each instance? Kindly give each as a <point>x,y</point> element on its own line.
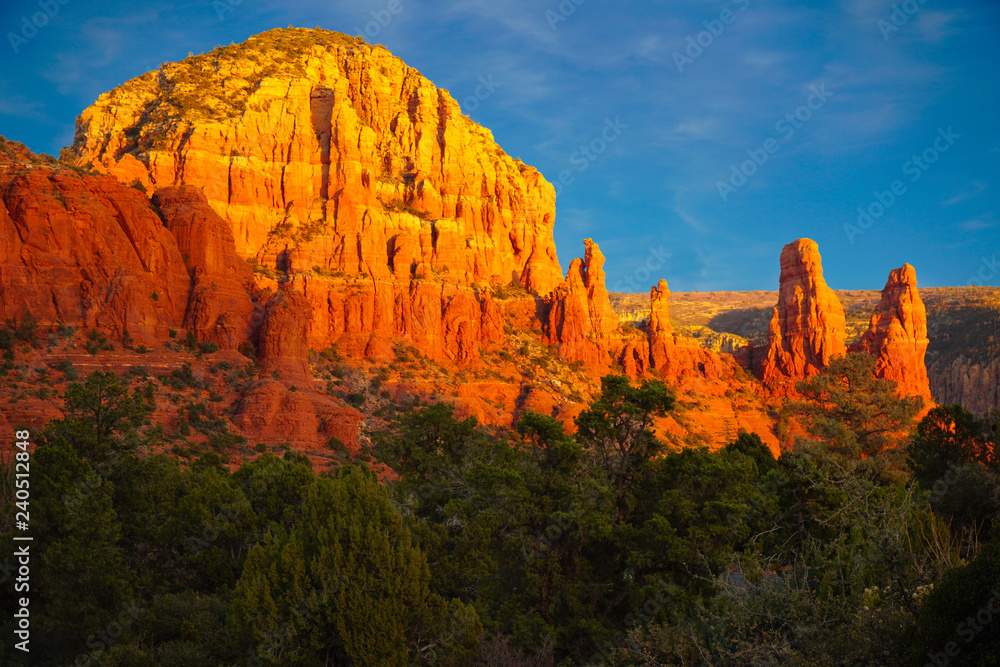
<point>452,544</point>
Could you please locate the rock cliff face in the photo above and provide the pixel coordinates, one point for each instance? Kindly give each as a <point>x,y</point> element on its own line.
<point>975,385</point>
<point>336,165</point>
<point>219,307</point>
<point>807,326</point>
<point>660,331</point>
<point>282,344</point>
<point>897,334</point>
<point>87,252</point>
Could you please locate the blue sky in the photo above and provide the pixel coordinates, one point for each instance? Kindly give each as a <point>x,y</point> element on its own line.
<point>693,89</point>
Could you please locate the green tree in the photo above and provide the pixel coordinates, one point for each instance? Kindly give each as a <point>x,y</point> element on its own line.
<point>949,436</point>
<point>79,579</point>
<point>344,585</point>
<point>854,412</point>
<point>102,416</point>
<point>956,613</point>
<point>618,426</point>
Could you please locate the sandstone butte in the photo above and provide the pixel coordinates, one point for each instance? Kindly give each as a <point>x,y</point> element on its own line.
<point>309,191</point>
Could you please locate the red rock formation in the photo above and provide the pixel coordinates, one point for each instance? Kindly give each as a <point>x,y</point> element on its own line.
<point>283,342</point>
<point>660,331</point>
<point>275,414</point>
<point>348,170</point>
<point>897,334</point>
<point>219,308</point>
<point>603,319</point>
<point>580,317</point>
<point>89,252</point>
<point>807,326</point>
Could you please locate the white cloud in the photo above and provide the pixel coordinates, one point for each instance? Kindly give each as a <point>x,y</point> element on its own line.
<point>976,189</point>
<point>976,224</point>
<point>935,26</point>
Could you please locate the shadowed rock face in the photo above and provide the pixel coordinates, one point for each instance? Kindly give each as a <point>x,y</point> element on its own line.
<point>807,325</point>
<point>897,334</point>
<point>219,308</point>
<point>89,252</point>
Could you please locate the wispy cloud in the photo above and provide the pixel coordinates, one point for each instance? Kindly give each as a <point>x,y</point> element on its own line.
<point>19,107</point>
<point>976,224</point>
<point>976,189</point>
<point>935,26</point>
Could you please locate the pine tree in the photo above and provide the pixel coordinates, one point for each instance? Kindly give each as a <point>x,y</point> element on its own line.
<point>854,412</point>
<point>343,586</point>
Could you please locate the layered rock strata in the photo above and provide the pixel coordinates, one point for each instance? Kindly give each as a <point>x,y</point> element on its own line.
<point>336,165</point>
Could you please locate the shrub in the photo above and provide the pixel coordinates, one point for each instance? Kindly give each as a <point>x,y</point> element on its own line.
<point>69,373</point>
<point>182,377</point>
<point>25,331</point>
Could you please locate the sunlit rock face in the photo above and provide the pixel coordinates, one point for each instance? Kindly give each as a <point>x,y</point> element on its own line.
<point>807,327</point>
<point>338,167</point>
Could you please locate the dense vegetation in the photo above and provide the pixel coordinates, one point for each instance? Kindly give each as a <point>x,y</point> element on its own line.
<point>863,546</point>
